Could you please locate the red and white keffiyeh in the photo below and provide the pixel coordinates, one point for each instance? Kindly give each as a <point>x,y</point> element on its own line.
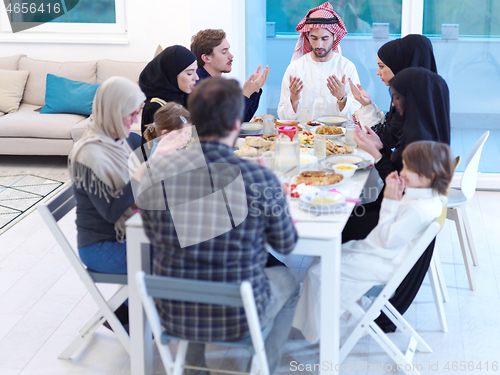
<point>336,27</point>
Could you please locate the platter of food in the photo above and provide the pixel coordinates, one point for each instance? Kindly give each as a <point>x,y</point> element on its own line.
<point>332,120</point>
<point>317,178</point>
<point>336,149</point>
<point>254,146</point>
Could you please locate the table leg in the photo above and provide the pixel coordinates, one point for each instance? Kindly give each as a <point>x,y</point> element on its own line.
<point>141,344</point>
<point>330,306</point>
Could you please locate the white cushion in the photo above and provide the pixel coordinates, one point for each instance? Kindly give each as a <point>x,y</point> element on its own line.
<point>12,83</point>
<point>85,71</point>
<point>31,124</point>
<point>10,62</point>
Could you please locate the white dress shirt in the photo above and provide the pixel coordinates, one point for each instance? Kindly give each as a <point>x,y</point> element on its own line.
<point>315,94</point>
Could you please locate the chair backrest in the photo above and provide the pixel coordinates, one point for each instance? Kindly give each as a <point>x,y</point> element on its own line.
<point>442,218</point>
<point>469,177</point>
<point>188,290</point>
<point>201,291</point>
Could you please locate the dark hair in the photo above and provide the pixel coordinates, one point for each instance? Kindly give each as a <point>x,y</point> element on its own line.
<point>169,117</point>
<point>204,42</point>
<point>432,160</point>
<point>215,104</point>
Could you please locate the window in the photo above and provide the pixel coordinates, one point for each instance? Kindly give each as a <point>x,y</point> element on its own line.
<point>477,18</point>
<point>63,16</point>
<point>358,15</point>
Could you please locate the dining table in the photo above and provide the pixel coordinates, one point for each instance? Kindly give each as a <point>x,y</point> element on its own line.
<point>319,236</point>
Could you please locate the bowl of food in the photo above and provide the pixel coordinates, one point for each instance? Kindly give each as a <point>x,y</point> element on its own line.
<point>307,160</point>
<point>251,128</point>
<point>332,120</point>
<point>345,169</point>
<point>321,203</point>
<point>311,126</point>
<point>331,132</point>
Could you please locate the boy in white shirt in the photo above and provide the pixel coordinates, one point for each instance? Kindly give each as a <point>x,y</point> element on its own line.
<point>412,201</point>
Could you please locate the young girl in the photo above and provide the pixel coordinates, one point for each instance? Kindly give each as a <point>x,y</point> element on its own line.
<point>170,117</point>
<point>412,201</point>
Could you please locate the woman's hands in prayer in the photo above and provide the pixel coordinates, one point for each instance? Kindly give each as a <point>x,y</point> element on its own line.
<point>296,86</point>
<point>394,186</point>
<point>255,81</point>
<point>359,94</point>
<point>370,142</point>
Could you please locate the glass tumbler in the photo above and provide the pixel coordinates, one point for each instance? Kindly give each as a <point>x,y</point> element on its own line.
<point>268,123</point>
<point>320,146</point>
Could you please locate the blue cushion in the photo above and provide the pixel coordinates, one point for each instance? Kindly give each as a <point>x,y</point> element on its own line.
<point>64,95</point>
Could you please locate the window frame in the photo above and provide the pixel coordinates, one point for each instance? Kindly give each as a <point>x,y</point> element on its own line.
<point>68,32</point>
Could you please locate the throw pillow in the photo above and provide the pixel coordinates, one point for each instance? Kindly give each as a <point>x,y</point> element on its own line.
<point>12,89</point>
<point>64,95</point>
<point>158,50</point>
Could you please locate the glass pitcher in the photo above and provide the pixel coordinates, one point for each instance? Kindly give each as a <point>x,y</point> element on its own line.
<point>287,151</point>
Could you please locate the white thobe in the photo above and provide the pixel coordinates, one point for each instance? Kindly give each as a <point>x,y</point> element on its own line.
<point>373,260</point>
<point>315,94</point>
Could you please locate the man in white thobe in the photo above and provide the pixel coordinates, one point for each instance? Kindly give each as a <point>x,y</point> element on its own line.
<point>316,79</point>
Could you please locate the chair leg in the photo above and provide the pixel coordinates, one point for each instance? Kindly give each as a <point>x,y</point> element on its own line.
<point>392,350</point>
<point>405,328</point>
<point>180,358</point>
<point>96,321</point>
<point>254,369</point>
<point>468,235</point>
<point>436,291</point>
<point>440,276</point>
<point>84,335</point>
<point>457,217</point>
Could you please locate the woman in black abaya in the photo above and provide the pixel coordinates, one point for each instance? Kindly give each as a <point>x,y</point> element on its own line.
<point>169,77</point>
<point>421,98</point>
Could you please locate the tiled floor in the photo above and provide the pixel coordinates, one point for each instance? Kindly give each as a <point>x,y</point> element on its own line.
<point>43,305</point>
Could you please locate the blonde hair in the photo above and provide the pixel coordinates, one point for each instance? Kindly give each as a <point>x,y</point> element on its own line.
<point>171,116</point>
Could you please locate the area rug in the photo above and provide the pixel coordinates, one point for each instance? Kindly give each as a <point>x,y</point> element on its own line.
<point>21,193</point>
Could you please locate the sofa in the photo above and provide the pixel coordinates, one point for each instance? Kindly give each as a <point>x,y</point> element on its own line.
<point>26,131</point>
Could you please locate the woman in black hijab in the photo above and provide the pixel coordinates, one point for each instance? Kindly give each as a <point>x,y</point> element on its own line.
<point>169,77</point>
<point>411,51</point>
<point>421,98</point>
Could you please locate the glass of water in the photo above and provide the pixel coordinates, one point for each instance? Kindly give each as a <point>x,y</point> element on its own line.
<point>319,146</point>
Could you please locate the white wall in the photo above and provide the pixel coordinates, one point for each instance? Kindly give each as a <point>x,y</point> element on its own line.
<point>149,23</point>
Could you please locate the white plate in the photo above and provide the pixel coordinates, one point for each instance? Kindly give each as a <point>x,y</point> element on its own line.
<point>322,209</point>
<point>332,120</point>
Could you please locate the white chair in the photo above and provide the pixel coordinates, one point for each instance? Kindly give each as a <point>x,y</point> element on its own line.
<point>51,213</point>
<point>456,207</point>
<point>366,319</point>
<point>218,293</point>
<point>435,271</point>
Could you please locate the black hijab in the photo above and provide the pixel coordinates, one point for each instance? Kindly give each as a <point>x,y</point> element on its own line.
<point>411,51</point>
<point>427,105</point>
<point>159,77</point>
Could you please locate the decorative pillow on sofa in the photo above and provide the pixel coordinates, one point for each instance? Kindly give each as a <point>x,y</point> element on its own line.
<point>64,95</point>
<point>12,89</point>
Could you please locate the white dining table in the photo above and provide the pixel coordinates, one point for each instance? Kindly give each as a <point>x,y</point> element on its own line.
<point>318,236</point>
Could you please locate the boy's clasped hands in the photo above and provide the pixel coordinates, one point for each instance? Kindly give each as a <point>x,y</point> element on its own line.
<point>394,186</point>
